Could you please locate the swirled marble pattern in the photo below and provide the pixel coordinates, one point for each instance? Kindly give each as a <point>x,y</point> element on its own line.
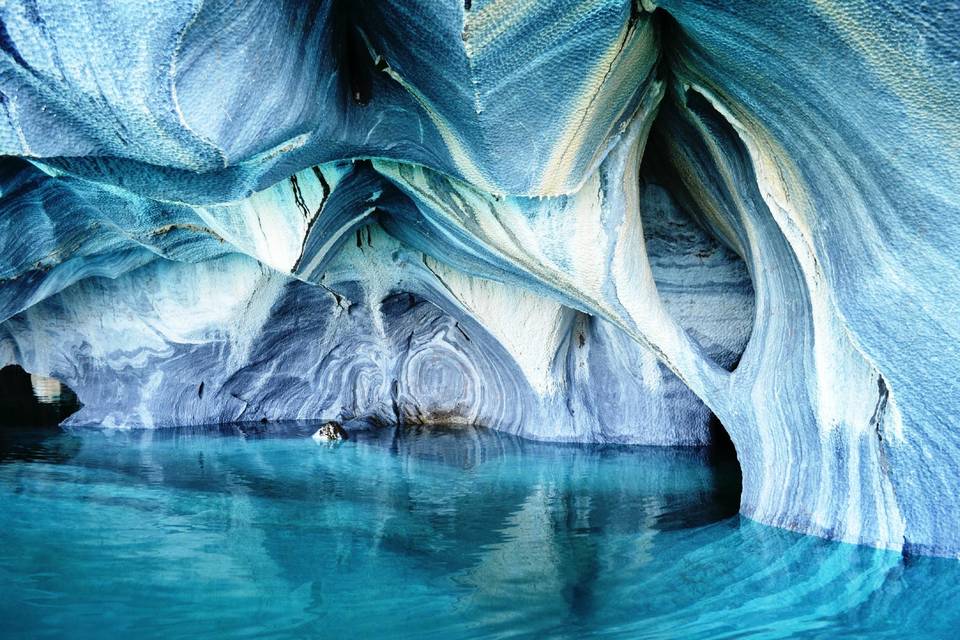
<point>604,220</point>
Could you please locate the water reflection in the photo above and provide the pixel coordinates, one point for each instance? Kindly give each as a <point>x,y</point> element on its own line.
<point>433,533</point>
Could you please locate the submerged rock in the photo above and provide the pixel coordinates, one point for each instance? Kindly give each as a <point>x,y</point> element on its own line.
<point>330,432</point>
<point>582,221</point>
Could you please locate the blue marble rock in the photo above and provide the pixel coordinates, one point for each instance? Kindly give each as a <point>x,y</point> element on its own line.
<point>596,221</point>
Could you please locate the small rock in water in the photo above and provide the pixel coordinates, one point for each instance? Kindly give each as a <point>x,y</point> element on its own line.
<point>330,432</point>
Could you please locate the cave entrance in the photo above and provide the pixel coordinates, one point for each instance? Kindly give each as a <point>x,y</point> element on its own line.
<point>723,462</point>
<point>706,286</point>
<point>700,263</point>
<point>700,273</point>
<point>29,400</point>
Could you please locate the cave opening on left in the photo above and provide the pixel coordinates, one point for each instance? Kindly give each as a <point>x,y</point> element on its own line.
<point>29,400</point>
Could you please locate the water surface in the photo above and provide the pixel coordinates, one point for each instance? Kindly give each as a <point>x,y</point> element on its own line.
<point>264,533</point>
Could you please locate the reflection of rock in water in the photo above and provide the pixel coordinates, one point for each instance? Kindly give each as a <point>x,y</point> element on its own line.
<point>544,551</point>
<point>547,557</point>
<point>444,527</point>
<point>520,524</point>
<point>38,444</point>
<point>460,446</point>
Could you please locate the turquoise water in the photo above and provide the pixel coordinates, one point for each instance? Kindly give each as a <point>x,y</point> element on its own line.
<point>227,533</point>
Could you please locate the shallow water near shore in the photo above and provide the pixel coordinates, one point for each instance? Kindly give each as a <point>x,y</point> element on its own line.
<point>453,533</point>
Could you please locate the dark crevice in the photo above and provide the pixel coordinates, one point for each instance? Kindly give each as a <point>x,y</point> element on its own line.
<point>876,421</point>
<point>311,219</point>
<point>635,12</point>
<point>395,401</point>
<point>350,51</point>
<point>298,198</point>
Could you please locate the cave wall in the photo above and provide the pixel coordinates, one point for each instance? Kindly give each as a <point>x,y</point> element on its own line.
<point>594,221</point>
